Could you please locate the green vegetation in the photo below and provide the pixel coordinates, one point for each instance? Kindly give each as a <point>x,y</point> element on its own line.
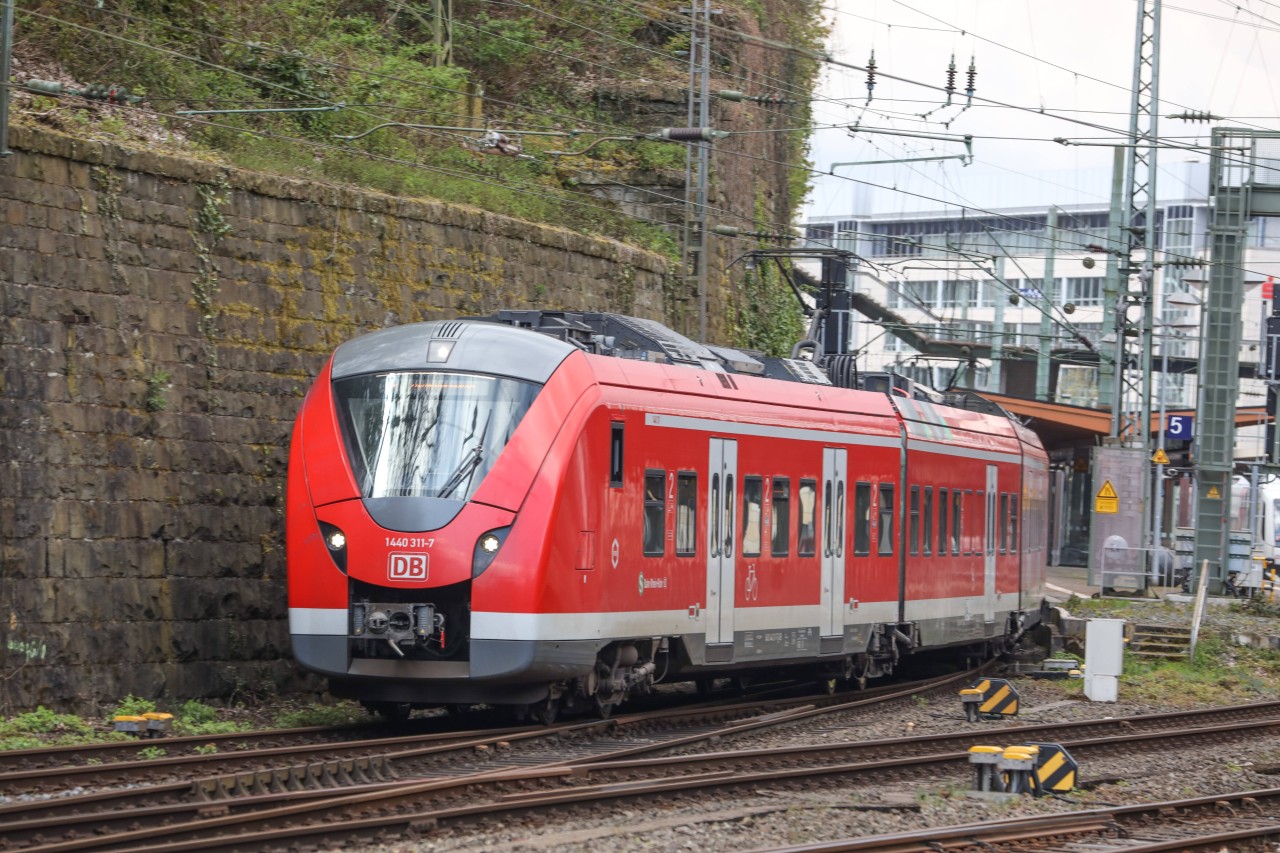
<point>376,102</point>
<point>41,727</point>
<point>197,718</point>
<point>132,706</point>
<point>1221,671</point>
<point>156,384</point>
<point>316,714</point>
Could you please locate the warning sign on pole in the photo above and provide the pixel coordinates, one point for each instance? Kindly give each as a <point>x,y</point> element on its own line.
<point>1161,458</point>
<point>1214,494</point>
<point>1107,500</point>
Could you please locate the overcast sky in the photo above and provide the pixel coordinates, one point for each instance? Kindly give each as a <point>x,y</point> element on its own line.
<point>1073,59</point>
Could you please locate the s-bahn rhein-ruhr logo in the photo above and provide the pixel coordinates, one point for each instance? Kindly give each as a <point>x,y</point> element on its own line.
<point>407,567</point>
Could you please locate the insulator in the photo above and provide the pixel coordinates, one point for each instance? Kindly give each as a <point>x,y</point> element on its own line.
<point>729,95</point>
<point>691,134</point>
<point>871,73</point>
<point>973,79</point>
<point>951,75</point>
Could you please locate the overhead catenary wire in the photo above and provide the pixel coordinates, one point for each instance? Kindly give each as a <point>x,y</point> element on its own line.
<point>463,175</point>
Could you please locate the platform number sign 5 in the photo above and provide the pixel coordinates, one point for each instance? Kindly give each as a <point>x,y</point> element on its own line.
<point>1180,427</point>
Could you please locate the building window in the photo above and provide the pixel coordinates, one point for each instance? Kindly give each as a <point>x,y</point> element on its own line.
<point>821,234</point>
<point>655,512</point>
<point>1084,292</point>
<point>780,489</point>
<point>686,514</point>
<point>959,293</point>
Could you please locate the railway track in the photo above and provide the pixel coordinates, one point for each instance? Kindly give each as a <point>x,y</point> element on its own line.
<point>461,755</point>
<point>410,807</point>
<point>321,755</point>
<point>1217,823</point>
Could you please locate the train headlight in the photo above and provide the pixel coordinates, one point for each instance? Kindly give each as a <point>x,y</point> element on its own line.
<point>486,549</point>
<point>335,541</point>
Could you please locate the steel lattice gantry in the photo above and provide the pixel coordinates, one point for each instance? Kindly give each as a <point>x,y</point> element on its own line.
<point>1244,181</point>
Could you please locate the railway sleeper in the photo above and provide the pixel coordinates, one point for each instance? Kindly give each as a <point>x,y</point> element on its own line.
<point>338,773</point>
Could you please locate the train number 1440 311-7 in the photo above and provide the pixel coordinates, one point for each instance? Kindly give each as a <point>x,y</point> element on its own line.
<point>409,542</point>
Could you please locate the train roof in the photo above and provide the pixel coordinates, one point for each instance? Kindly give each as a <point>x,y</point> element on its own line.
<point>486,344</point>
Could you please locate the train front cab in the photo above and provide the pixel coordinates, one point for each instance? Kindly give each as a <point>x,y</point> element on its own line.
<point>410,463</point>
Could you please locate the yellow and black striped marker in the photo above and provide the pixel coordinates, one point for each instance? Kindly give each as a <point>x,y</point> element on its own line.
<point>1055,769</point>
<point>990,699</point>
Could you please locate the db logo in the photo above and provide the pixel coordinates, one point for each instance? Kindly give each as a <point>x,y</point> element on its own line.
<point>407,567</point>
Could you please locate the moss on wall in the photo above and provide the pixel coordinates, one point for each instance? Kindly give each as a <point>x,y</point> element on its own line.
<point>162,319</point>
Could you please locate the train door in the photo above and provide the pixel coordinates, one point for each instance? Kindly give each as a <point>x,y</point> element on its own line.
<point>989,545</point>
<point>834,461</point>
<point>721,504</point>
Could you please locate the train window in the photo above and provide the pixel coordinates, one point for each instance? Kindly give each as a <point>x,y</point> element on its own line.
<point>781,497</point>
<point>826,518</point>
<point>840,519</point>
<point>886,518</point>
<point>752,504</point>
<point>926,517</point>
<point>915,520</point>
<point>957,518</point>
<point>728,515</point>
<point>806,534</point>
<point>861,519</point>
<point>686,514</point>
<point>1004,522</point>
<point>714,516</point>
<point>655,512</point>
<point>427,434</point>
<point>615,454</point>
<point>727,526</point>
<point>976,525</point>
<point>1013,522</point>
<point>943,509</point>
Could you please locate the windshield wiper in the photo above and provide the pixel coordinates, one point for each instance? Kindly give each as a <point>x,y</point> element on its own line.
<point>465,467</point>
<point>470,461</point>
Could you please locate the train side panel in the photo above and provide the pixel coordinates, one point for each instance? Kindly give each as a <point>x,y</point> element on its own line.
<point>729,520</point>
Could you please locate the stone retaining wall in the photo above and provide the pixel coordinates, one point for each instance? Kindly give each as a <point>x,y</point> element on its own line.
<point>161,320</point>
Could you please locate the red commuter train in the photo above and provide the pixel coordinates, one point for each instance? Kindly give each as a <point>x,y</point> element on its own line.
<point>550,510</point>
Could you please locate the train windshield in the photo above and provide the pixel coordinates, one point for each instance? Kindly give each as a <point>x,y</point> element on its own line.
<point>431,435</point>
